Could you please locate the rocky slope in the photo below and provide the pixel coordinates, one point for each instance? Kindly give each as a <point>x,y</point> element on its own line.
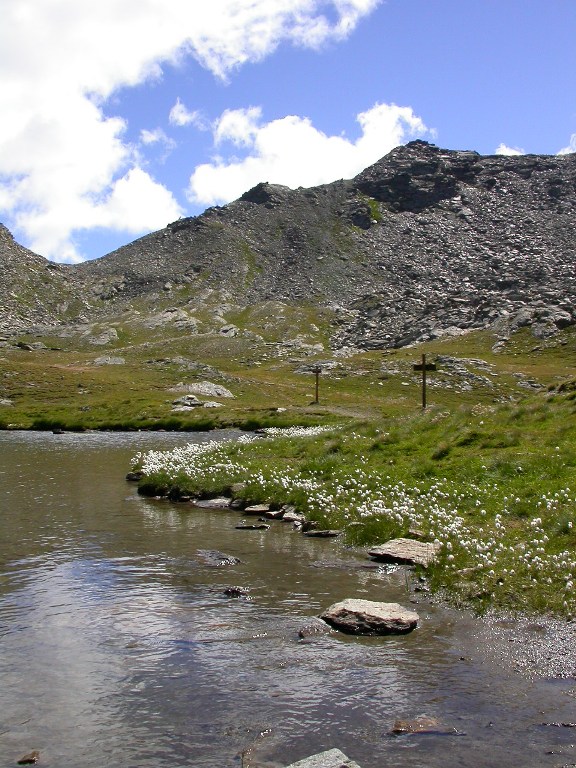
<point>33,291</point>
<point>425,242</point>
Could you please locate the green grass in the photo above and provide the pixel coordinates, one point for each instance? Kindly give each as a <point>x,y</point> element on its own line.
<point>502,504</point>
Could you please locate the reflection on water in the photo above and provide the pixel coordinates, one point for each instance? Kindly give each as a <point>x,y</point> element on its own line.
<point>119,646</point>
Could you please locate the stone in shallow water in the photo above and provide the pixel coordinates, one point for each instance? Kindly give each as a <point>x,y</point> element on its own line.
<point>366,617</point>
<point>332,758</point>
<point>405,551</point>
<point>222,502</point>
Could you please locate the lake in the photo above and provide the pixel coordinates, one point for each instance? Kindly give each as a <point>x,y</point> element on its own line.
<point>119,646</point>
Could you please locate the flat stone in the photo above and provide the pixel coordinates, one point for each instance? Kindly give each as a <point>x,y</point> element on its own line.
<point>332,758</point>
<point>366,617</point>
<point>293,517</point>
<point>252,526</point>
<point>257,509</point>
<point>326,534</point>
<point>406,552</point>
<point>222,502</point>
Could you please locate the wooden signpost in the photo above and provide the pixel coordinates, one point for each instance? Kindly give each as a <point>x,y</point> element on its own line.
<point>317,370</point>
<point>424,366</point>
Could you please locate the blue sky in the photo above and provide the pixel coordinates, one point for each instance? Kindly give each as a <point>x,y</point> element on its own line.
<point>121,116</point>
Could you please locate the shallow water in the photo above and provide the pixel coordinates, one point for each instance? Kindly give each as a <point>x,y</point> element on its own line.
<point>118,645</point>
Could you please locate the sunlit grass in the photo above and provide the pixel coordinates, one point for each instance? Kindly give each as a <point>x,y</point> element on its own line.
<point>501,503</point>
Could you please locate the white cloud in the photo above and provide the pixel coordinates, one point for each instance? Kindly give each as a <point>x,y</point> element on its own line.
<point>62,158</point>
<point>571,146</point>
<point>291,151</point>
<point>502,149</point>
<point>180,115</point>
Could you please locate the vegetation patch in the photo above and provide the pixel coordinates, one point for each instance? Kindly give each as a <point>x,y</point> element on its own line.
<point>504,511</point>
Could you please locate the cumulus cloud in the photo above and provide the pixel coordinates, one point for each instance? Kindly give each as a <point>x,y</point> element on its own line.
<point>502,149</point>
<point>571,146</point>
<point>180,115</point>
<point>65,161</point>
<point>291,151</point>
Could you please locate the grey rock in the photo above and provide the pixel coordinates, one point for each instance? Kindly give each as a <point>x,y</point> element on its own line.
<point>332,758</point>
<point>322,534</point>
<point>257,509</point>
<point>405,551</point>
<point>107,336</point>
<point>188,401</point>
<point>109,360</point>
<point>220,502</point>
<point>209,389</point>
<point>366,617</point>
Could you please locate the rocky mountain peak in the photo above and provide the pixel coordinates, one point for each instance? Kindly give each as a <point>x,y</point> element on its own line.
<point>426,241</point>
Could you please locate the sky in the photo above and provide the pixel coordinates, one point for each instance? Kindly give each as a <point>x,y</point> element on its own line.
<point>120,116</point>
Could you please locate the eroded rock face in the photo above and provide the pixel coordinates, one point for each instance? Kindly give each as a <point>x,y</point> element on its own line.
<point>366,617</point>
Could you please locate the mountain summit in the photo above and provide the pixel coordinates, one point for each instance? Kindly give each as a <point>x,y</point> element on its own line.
<point>425,242</point>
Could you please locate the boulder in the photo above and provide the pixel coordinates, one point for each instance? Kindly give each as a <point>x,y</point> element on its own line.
<point>208,389</point>
<point>332,758</point>
<point>405,552</point>
<point>366,617</point>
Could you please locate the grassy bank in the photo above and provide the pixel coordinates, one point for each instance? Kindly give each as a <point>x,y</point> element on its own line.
<point>494,484</point>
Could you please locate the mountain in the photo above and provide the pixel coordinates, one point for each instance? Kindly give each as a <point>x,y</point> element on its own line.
<point>424,243</point>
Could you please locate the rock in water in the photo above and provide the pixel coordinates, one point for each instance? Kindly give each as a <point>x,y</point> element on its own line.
<point>332,758</point>
<point>30,758</point>
<point>365,617</point>
<point>406,552</point>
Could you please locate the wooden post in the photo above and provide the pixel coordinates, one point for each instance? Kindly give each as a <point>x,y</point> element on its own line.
<point>317,374</point>
<point>424,366</point>
<point>423,380</point>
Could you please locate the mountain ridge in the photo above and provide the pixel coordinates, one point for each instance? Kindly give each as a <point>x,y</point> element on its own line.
<point>425,242</point>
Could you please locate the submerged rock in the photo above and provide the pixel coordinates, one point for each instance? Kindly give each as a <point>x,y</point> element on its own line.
<point>366,617</point>
<point>252,526</point>
<point>236,591</point>
<point>314,628</point>
<point>215,558</point>
<point>421,724</point>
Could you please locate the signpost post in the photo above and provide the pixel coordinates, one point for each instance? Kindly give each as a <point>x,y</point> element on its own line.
<point>424,366</point>
<point>316,370</point>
